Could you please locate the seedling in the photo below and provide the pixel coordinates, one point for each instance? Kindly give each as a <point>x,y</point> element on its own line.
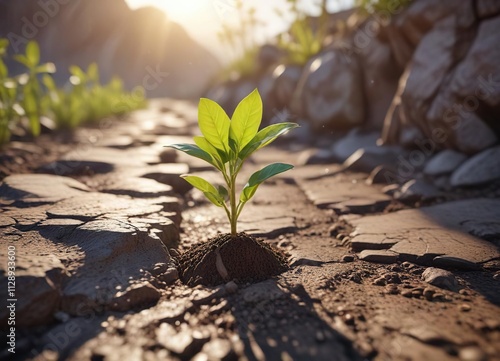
<point>227,144</point>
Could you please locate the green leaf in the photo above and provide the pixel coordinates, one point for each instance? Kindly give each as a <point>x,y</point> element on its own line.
<point>246,120</point>
<point>218,155</point>
<point>208,190</point>
<point>3,70</point>
<point>49,68</point>
<point>266,136</point>
<point>20,58</point>
<point>260,176</point>
<point>93,72</point>
<point>214,123</point>
<point>33,53</point>
<point>194,151</point>
<point>49,83</point>
<point>223,192</point>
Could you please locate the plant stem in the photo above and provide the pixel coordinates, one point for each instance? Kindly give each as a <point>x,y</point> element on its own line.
<point>232,198</point>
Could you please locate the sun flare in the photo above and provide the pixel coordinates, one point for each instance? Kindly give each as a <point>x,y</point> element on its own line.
<point>174,9</point>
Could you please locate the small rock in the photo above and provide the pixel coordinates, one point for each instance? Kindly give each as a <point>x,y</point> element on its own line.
<point>481,168</point>
<point>416,190</point>
<point>135,295</point>
<point>391,289</point>
<point>231,287</point>
<point>378,256</point>
<point>219,349</point>
<point>428,293</point>
<point>440,278</point>
<point>347,258</point>
<point>407,293</point>
<point>320,336</point>
<point>169,276</point>
<point>472,353</point>
<point>61,316</point>
<point>262,291</point>
<point>381,281</point>
<point>366,160</point>
<point>464,307</point>
<point>168,155</point>
<point>455,262</point>
<point>444,162</point>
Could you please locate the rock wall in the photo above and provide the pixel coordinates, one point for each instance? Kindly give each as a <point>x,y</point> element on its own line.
<point>429,72</point>
<point>142,46</point>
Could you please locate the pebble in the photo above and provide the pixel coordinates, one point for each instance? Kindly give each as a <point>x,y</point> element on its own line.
<point>348,258</point>
<point>472,353</point>
<point>440,278</point>
<point>392,289</point>
<point>428,293</point>
<point>381,281</point>
<point>320,336</point>
<point>407,293</point>
<point>231,287</point>
<point>464,307</point>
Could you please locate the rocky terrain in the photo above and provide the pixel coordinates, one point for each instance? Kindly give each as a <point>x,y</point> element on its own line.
<point>140,46</point>
<point>401,272</point>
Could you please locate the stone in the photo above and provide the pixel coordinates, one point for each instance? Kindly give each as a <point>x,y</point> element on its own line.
<point>367,159</point>
<point>137,188</point>
<point>487,8</point>
<point>378,256</point>
<point>168,174</point>
<point>231,287</point>
<point>185,343</point>
<point>354,140</point>
<point>344,196</point>
<point>481,168</point>
<point>114,255</point>
<point>472,353</point>
<point>92,205</point>
<point>38,286</point>
<point>420,235</point>
<point>40,188</point>
<point>445,162</point>
<point>330,104</point>
<point>440,278</point>
<point>455,263</point>
<point>285,79</point>
<point>418,190</point>
<point>380,72</point>
<point>219,349</point>
<point>267,290</point>
<point>168,155</point>
<point>135,295</point>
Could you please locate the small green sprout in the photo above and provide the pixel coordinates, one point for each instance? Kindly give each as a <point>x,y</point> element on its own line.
<point>226,144</point>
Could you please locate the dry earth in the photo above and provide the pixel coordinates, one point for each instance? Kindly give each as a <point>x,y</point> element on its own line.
<point>372,275</point>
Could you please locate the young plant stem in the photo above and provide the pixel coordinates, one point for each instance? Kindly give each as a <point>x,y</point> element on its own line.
<point>232,199</point>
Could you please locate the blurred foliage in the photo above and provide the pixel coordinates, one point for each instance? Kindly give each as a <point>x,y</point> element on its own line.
<point>83,100</point>
<point>382,6</point>
<point>304,39</point>
<point>241,42</point>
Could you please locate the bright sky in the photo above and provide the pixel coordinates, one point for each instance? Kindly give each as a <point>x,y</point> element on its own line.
<point>203,19</point>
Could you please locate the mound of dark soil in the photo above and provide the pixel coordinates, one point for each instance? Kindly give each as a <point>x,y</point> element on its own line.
<point>245,259</point>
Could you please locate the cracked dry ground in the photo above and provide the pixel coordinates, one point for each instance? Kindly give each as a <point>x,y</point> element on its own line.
<point>368,277</point>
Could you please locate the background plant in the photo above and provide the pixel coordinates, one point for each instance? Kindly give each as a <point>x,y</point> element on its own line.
<point>227,144</point>
<point>305,38</point>
<point>240,41</point>
<point>35,94</point>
